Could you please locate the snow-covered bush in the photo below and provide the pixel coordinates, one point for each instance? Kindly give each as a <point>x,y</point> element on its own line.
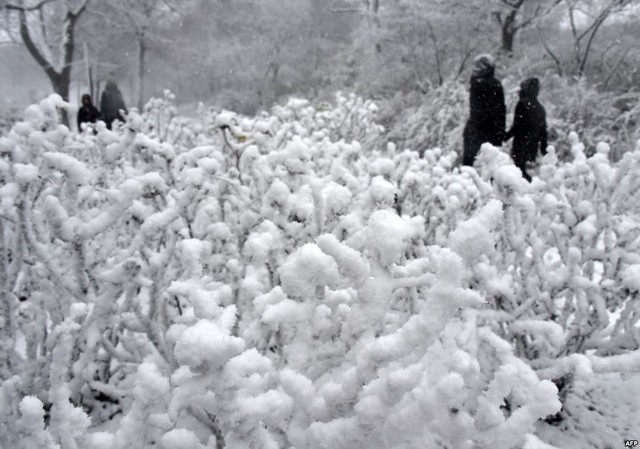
<point>436,118</point>
<point>577,106</point>
<point>433,120</point>
<point>268,281</point>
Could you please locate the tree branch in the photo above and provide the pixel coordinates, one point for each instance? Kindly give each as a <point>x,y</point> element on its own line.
<point>33,49</point>
<point>28,8</point>
<point>463,62</point>
<point>574,30</point>
<point>595,27</point>
<point>81,9</point>
<point>537,14</point>
<point>602,17</point>
<point>554,57</point>
<point>68,45</point>
<point>615,67</point>
<point>498,17</point>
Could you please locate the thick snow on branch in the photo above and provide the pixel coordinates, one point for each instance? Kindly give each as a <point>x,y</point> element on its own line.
<point>291,280</point>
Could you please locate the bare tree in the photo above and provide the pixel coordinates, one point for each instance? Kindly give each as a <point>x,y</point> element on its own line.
<point>37,24</point>
<point>419,43</point>
<point>583,39</point>
<point>513,16</point>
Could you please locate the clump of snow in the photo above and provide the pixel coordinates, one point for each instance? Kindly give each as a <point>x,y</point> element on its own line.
<point>25,173</point>
<point>180,439</point>
<point>101,440</point>
<point>286,311</point>
<point>32,410</point>
<point>382,167</point>
<point>77,172</point>
<point>382,192</point>
<point>206,343</point>
<point>474,237</point>
<point>307,269</point>
<point>262,241</point>
<point>296,156</point>
<point>387,236</point>
<point>278,195</point>
<point>631,277</point>
<point>337,198</point>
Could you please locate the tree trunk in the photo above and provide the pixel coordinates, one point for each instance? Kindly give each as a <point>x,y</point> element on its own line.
<point>142,51</point>
<point>509,31</point>
<point>87,63</point>
<point>508,37</point>
<point>436,50</point>
<point>509,26</point>
<point>375,6</point>
<point>61,83</point>
<point>60,80</point>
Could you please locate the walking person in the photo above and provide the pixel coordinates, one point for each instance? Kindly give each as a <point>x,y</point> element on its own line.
<point>111,103</point>
<point>487,110</point>
<point>87,113</point>
<point>529,130</point>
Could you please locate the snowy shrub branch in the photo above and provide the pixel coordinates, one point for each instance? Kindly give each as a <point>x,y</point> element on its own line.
<point>277,281</point>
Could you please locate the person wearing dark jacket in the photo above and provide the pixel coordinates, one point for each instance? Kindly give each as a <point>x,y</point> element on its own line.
<point>487,110</point>
<point>87,113</point>
<point>529,130</point>
<point>111,103</point>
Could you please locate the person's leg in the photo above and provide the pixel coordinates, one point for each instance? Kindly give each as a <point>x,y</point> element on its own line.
<point>471,149</point>
<point>469,157</point>
<point>521,162</point>
<point>468,139</point>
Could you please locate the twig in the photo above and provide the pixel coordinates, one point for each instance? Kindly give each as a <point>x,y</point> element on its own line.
<point>554,57</point>
<point>615,67</point>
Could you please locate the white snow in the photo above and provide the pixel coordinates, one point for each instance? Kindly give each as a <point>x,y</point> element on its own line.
<point>310,285</point>
<point>306,269</point>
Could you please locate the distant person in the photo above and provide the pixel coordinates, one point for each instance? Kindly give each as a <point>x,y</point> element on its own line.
<point>87,113</point>
<point>487,110</point>
<point>529,130</point>
<point>111,104</point>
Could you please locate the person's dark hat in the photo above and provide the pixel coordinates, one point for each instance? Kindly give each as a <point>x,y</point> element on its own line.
<point>484,62</point>
<point>530,87</point>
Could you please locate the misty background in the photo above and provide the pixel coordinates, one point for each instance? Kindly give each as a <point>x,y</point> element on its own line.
<point>245,55</point>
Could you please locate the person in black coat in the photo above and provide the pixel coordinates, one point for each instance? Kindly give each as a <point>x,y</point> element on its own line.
<point>87,113</point>
<point>111,103</point>
<point>529,130</point>
<point>487,110</point>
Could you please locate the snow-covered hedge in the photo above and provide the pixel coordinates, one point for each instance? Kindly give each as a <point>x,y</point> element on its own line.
<point>273,282</point>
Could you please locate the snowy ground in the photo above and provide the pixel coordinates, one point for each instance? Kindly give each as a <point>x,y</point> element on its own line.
<point>602,411</point>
